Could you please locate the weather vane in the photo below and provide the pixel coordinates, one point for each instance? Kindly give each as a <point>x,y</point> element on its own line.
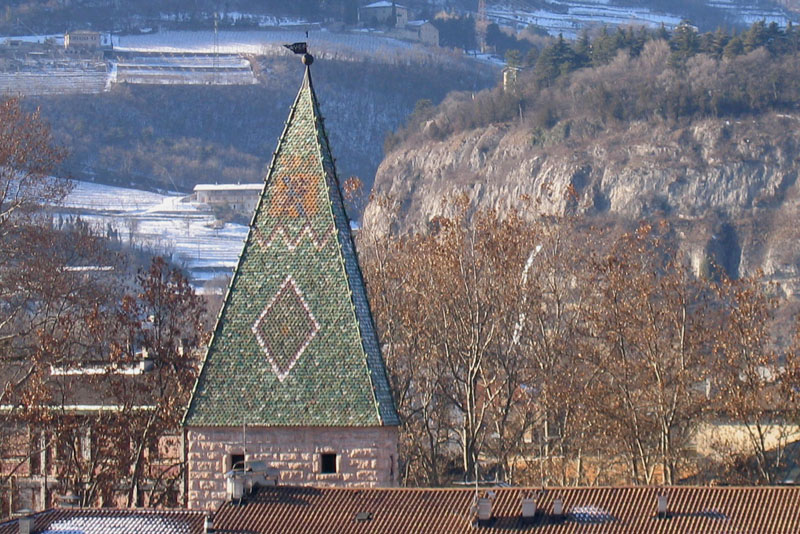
<point>301,48</point>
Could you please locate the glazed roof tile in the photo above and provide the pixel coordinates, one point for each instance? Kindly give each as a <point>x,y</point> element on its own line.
<point>295,344</point>
<point>768,510</point>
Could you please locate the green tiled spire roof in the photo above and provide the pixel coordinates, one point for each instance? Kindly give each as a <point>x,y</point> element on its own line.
<point>295,344</point>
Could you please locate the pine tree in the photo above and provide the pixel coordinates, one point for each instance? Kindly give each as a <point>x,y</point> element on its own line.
<point>735,47</point>
<point>755,37</point>
<point>604,48</point>
<point>555,60</point>
<point>685,42</point>
<point>583,50</point>
<point>719,41</point>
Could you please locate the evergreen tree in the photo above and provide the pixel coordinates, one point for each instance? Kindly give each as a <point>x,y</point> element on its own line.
<point>775,39</point>
<point>513,58</point>
<point>735,47</point>
<point>555,60</point>
<point>583,50</point>
<point>604,48</point>
<point>685,42</point>
<point>662,33</point>
<point>638,41</point>
<point>792,39</point>
<point>719,41</point>
<point>755,37</point>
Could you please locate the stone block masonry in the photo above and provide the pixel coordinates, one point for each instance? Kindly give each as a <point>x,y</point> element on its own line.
<point>365,457</point>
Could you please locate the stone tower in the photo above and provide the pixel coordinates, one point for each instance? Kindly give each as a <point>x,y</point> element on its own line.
<point>293,375</point>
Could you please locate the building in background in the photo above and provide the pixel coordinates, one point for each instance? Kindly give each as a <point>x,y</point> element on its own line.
<point>421,31</point>
<point>82,41</point>
<point>383,13</point>
<point>241,198</point>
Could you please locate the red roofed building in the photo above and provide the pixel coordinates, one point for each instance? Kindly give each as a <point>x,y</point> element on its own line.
<point>706,510</point>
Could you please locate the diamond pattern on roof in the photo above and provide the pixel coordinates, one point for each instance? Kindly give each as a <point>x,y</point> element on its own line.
<point>285,328</point>
<point>292,243</point>
<point>295,344</point>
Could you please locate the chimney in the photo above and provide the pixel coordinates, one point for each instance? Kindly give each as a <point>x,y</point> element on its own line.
<point>528,508</point>
<point>235,486</point>
<point>663,511</point>
<point>25,525</point>
<point>558,507</point>
<point>484,508</point>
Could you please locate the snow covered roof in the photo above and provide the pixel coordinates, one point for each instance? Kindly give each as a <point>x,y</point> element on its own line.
<point>382,3</point>
<point>111,521</point>
<point>416,22</point>
<point>229,187</point>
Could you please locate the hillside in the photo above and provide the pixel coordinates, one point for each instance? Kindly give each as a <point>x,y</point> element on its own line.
<point>22,17</point>
<point>173,137</point>
<point>623,141</point>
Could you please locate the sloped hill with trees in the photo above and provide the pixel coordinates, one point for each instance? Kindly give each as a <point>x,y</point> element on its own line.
<point>696,128</point>
<point>173,137</point>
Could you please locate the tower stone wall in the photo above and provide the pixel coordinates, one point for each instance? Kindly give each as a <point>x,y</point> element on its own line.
<point>365,457</point>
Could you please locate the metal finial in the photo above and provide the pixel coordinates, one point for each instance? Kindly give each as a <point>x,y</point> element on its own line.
<point>301,48</point>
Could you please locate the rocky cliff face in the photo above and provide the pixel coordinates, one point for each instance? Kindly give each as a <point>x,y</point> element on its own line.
<point>729,186</point>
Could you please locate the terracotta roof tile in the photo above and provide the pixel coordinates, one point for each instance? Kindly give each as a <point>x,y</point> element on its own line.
<point>768,510</point>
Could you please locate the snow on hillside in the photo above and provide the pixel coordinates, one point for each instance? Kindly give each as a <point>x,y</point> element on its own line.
<point>166,223</point>
<point>57,39</point>
<point>184,70</point>
<point>579,15</point>
<point>259,42</point>
<point>52,82</point>
<point>568,17</point>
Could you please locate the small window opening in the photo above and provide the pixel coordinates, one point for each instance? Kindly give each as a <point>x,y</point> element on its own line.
<point>237,462</point>
<point>327,463</point>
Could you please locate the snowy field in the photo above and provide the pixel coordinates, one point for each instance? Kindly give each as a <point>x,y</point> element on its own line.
<point>52,82</point>
<point>263,21</point>
<point>183,70</point>
<point>578,15</point>
<point>166,223</point>
<point>568,17</point>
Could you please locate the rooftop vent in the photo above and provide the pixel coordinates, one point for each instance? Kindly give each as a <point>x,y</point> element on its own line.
<point>484,509</point>
<point>25,525</point>
<point>528,508</point>
<point>247,475</point>
<point>663,511</point>
<point>558,507</point>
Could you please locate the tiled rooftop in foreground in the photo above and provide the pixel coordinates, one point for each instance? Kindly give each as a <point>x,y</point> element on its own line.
<point>438,511</point>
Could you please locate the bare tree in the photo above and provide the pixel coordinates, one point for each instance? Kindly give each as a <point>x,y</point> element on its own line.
<point>653,340</point>
<point>754,389</point>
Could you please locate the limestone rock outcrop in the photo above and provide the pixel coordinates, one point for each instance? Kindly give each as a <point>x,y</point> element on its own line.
<point>729,185</point>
